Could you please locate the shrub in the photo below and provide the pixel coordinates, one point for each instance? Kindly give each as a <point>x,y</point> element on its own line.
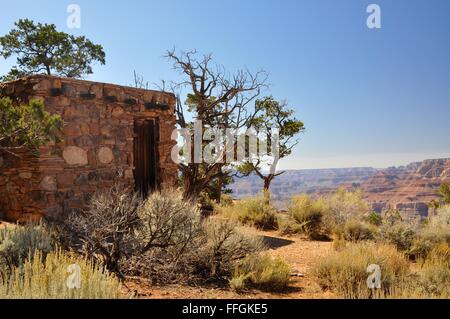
<point>420,248</point>
<point>399,234</point>
<point>357,231</point>
<point>345,271</point>
<point>169,228</point>
<point>162,238</point>
<point>222,247</point>
<point>19,242</point>
<point>339,244</point>
<point>308,214</point>
<point>261,272</point>
<point>288,225</point>
<point>344,206</point>
<point>226,200</point>
<point>49,279</point>
<point>438,227</point>
<point>435,232</point>
<point>433,278</point>
<point>256,212</point>
<point>105,231</point>
<point>168,222</point>
<point>375,219</point>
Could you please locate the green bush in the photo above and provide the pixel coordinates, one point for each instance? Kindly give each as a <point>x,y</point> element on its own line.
<point>433,278</point>
<point>288,225</point>
<point>345,271</point>
<point>399,234</point>
<point>308,214</point>
<point>262,272</point>
<point>357,231</point>
<point>344,206</point>
<point>375,219</point>
<point>226,200</point>
<point>256,212</point>
<point>47,278</point>
<point>435,232</point>
<point>19,242</point>
<point>438,227</point>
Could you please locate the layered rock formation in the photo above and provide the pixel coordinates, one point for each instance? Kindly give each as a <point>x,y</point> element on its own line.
<point>407,188</point>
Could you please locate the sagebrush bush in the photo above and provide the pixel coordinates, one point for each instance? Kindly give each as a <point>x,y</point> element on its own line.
<point>399,234</point>
<point>162,238</point>
<point>433,278</point>
<point>345,271</point>
<point>169,229</point>
<point>19,242</point>
<point>226,200</point>
<point>262,272</point>
<point>438,227</point>
<point>222,247</point>
<point>344,206</point>
<point>435,232</point>
<point>288,225</point>
<point>47,278</point>
<point>105,231</point>
<point>357,231</point>
<point>308,214</point>
<point>168,221</point>
<point>253,211</point>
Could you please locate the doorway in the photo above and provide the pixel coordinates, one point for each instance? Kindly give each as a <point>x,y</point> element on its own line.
<point>146,135</point>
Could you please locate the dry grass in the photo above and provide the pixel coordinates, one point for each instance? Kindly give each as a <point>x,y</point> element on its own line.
<point>261,272</point>
<point>47,277</point>
<point>252,211</point>
<point>345,271</point>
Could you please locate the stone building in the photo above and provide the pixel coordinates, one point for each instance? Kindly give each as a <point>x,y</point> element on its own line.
<point>111,134</point>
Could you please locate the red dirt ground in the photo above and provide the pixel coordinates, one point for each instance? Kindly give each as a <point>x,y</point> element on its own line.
<point>299,253</point>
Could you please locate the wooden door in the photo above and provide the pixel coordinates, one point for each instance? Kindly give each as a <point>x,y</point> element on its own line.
<point>145,156</point>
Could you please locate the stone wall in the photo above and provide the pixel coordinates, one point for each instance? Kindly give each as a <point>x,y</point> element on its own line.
<point>96,150</point>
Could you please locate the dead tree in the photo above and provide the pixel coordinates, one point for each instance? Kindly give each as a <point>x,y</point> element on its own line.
<point>217,99</point>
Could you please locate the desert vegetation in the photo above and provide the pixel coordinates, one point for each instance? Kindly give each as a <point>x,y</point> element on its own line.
<point>413,257</point>
<point>164,239</point>
<point>32,265</point>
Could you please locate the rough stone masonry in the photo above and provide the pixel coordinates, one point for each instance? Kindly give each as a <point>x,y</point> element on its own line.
<point>96,149</point>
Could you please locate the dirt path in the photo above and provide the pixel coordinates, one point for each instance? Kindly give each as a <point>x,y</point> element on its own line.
<point>299,253</point>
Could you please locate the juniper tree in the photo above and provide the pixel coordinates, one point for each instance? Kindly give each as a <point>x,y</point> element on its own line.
<point>26,126</point>
<point>40,48</point>
<point>271,114</point>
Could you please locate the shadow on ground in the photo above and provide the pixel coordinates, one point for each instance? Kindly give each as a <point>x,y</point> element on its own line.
<point>275,242</point>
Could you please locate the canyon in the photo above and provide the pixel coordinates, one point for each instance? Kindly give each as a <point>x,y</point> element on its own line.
<point>407,188</point>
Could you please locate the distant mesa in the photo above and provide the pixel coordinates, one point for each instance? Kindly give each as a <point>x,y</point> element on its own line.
<point>408,188</point>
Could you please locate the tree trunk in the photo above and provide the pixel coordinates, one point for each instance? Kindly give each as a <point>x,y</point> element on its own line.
<point>267,180</point>
<point>192,189</point>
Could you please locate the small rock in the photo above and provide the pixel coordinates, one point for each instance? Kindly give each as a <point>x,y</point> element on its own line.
<point>75,156</point>
<point>105,155</point>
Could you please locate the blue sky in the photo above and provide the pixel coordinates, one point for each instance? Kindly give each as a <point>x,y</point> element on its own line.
<point>368,97</point>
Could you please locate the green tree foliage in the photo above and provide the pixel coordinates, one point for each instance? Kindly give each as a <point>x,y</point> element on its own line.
<point>271,113</point>
<point>40,48</point>
<point>26,126</point>
<point>444,196</point>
